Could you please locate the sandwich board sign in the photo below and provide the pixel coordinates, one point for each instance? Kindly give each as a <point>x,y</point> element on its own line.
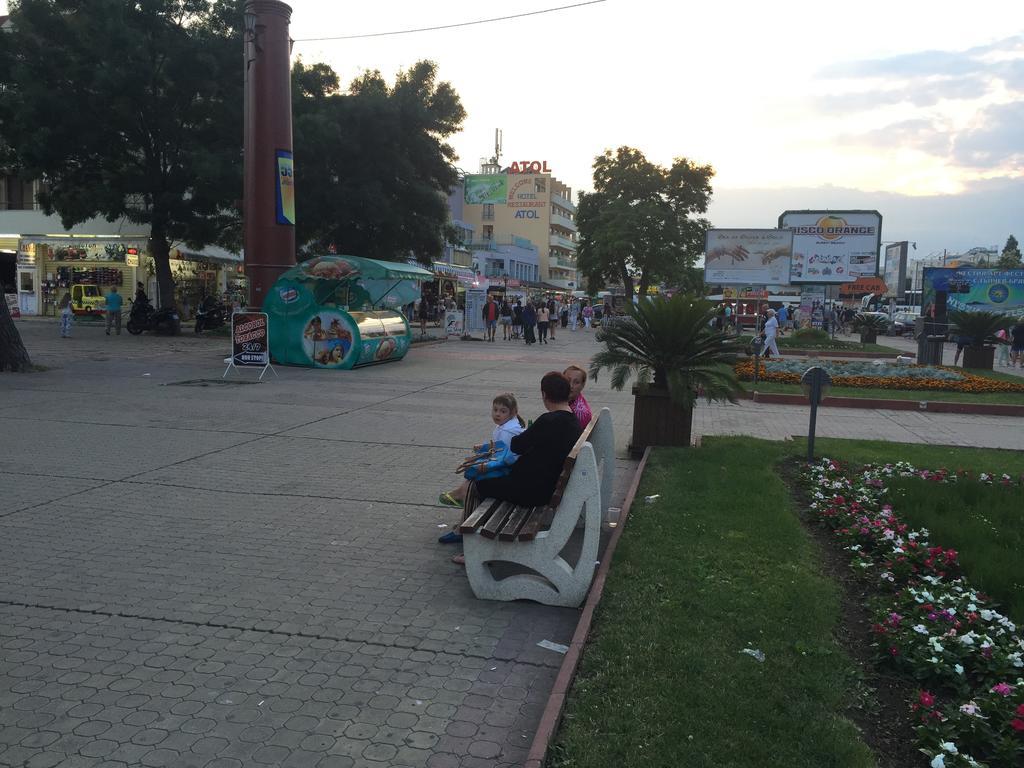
<point>250,342</point>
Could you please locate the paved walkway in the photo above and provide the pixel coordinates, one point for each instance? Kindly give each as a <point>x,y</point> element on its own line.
<point>206,575</point>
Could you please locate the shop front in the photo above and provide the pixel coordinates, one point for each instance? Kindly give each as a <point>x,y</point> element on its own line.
<point>450,282</point>
<point>211,272</point>
<point>85,268</point>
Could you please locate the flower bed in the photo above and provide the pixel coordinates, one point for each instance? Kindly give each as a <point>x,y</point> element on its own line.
<point>932,626</point>
<point>855,374</point>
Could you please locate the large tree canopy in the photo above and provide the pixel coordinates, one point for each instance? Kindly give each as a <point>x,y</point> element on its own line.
<point>129,109</point>
<point>372,167</point>
<point>642,222</point>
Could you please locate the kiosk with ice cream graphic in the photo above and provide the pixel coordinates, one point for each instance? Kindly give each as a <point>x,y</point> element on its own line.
<point>342,312</point>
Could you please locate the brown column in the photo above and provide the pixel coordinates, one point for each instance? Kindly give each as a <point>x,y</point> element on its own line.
<point>268,204</point>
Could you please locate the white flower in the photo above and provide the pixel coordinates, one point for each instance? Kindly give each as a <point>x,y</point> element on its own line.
<point>921,629</point>
<point>936,645</point>
<point>986,615</point>
<point>939,761</point>
<point>967,639</point>
<point>959,670</point>
<point>972,607</point>
<point>972,709</point>
<point>949,746</point>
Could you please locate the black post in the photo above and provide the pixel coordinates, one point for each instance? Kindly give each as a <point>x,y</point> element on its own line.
<point>757,358</point>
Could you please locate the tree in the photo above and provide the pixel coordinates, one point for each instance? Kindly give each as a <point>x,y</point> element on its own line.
<point>129,109</point>
<point>373,167</point>
<point>1010,257</point>
<point>13,355</point>
<point>642,220</point>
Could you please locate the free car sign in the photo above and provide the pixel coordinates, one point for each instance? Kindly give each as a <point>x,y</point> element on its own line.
<point>833,246</point>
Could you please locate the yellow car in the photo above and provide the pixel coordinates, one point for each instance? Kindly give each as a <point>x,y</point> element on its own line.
<point>87,300</point>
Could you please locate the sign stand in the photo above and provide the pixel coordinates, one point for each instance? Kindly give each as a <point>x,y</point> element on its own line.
<point>250,343</point>
<point>231,364</point>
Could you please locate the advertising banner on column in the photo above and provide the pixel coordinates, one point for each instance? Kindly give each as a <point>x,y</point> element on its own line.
<point>833,246</point>
<point>812,300</point>
<point>748,256</point>
<point>249,343</point>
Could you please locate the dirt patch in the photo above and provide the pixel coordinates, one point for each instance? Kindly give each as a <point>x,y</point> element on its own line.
<point>880,705</point>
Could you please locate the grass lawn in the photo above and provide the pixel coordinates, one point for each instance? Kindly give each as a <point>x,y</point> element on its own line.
<point>897,394</point>
<point>788,342</point>
<point>720,563</point>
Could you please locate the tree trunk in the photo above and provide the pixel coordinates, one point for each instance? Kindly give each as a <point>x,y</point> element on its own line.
<point>627,282</point>
<point>160,250</point>
<point>644,284</point>
<point>13,355</point>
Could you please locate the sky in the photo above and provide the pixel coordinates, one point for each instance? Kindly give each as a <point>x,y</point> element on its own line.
<point>912,108</point>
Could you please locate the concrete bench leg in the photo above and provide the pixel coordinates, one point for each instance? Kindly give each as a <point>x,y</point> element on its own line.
<point>553,581</point>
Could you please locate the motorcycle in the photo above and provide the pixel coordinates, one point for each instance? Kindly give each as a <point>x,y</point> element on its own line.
<point>208,318</point>
<point>144,317</point>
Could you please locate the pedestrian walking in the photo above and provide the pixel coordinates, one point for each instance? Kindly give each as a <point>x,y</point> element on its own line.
<point>114,303</point>
<point>574,315</point>
<point>771,330</point>
<point>490,312</point>
<point>506,320</point>
<point>66,315</point>
<point>1017,344</point>
<point>529,320</point>
<point>517,320</point>
<point>543,316</point>
<point>588,315</point>
<point>552,318</point>
<point>1003,345</point>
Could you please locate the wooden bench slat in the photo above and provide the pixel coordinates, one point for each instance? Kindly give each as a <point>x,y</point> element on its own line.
<point>532,525</point>
<point>497,520</point>
<point>480,516</point>
<point>515,522</point>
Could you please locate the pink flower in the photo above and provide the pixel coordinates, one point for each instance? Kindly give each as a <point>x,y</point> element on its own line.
<point>1003,689</point>
<point>1017,724</point>
<point>926,699</point>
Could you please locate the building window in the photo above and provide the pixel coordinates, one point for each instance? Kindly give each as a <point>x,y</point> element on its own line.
<point>540,185</point>
<point>488,232</point>
<point>488,212</point>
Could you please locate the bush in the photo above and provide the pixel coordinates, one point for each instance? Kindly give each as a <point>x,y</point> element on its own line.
<point>811,336</point>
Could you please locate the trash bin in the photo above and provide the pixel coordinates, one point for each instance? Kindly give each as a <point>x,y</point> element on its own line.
<point>929,349</point>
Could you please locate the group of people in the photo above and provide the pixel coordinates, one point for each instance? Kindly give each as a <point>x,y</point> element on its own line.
<point>112,310</point>
<point>527,471</point>
<point>1011,345</point>
<point>536,321</point>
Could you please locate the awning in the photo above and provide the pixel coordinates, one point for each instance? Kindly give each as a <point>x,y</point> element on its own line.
<point>9,242</point>
<point>453,271</point>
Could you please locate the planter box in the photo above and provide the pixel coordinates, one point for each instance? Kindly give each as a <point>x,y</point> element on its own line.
<point>658,421</point>
<point>868,337</point>
<point>979,358</point>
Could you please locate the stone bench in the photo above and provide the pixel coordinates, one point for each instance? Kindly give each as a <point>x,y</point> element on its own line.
<point>533,538</point>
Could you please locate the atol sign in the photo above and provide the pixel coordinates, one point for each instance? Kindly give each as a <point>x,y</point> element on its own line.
<point>833,246</point>
<point>529,166</point>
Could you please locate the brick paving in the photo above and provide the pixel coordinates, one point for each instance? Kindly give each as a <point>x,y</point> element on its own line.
<point>246,575</point>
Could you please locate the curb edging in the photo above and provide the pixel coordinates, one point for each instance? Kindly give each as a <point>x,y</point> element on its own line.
<point>926,406</point>
<point>552,714</point>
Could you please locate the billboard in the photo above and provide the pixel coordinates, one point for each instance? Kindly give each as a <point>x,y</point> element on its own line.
<point>973,290</point>
<point>748,256</point>
<point>285,187</point>
<point>486,188</point>
<point>896,269</point>
<point>833,246</point>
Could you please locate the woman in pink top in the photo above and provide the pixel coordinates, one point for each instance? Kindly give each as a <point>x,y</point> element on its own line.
<point>577,380</point>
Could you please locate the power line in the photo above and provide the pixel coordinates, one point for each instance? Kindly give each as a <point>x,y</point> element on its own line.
<point>448,26</point>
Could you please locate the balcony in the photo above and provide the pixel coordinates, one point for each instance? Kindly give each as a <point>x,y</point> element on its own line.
<point>563,202</point>
<point>561,262</point>
<point>564,222</point>
<point>557,241</point>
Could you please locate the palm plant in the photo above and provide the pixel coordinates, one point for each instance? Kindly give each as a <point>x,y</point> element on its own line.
<point>670,344</point>
<point>870,323</point>
<point>979,327</point>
